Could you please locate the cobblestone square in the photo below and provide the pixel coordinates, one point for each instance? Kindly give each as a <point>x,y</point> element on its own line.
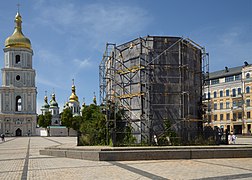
<point>20,159</point>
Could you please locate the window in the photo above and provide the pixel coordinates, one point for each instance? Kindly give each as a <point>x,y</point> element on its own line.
<point>215,94</point>
<point>221,105</point>
<point>209,95</point>
<point>238,77</point>
<point>228,116</point>
<point>17,59</point>
<point>215,117</point>
<point>18,103</point>
<point>215,106</point>
<point>247,102</point>
<point>239,103</point>
<point>239,115</point>
<point>17,77</point>
<point>247,89</point>
<point>247,75</point>
<point>229,78</point>
<point>234,92</point>
<point>239,90</point>
<point>215,81</point>
<point>227,105</point>
<point>207,82</point>
<point>234,103</point>
<point>248,115</point>
<point>227,92</point>
<point>221,93</point>
<point>209,107</point>
<point>234,116</point>
<point>221,117</point>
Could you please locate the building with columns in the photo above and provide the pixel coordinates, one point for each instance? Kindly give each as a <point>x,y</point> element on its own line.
<point>227,99</point>
<point>18,93</point>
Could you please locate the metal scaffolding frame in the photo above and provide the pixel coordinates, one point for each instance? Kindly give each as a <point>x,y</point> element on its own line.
<point>135,76</point>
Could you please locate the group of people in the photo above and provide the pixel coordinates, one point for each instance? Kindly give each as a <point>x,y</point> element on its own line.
<point>230,138</point>
<point>3,137</point>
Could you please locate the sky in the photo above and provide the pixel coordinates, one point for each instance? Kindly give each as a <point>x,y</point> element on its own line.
<point>69,37</point>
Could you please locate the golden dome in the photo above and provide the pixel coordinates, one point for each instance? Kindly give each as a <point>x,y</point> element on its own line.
<point>73,97</point>
<point>17,39</point>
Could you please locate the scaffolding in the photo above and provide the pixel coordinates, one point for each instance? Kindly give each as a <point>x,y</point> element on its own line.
<point>155,79</point>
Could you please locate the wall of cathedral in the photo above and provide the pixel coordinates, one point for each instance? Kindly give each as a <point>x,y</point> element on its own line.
<point>22,125</point>
<point>9,103</point>
<point>25,58</point>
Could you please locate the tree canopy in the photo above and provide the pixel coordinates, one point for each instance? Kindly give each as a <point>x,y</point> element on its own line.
<point>45,120</point>
<point>93,126</point>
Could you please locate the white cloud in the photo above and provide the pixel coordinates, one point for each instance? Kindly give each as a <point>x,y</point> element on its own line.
<point>82,63</point>
<point>96,20</point>
<point>230,48</point>
<point>47,82</point>
<point>230,37</point>
<point>47,56</point>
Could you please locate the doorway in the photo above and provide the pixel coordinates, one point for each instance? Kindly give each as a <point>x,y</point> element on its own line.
<point>238,129</point>
<point>18,132</point>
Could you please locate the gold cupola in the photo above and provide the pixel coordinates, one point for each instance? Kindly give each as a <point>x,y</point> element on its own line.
<point>17,39</point>
<point>73,97</point>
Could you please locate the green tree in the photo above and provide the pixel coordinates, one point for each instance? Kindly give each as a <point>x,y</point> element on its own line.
<point>93,126</point>
<point>45,121</point>
<point>67,119</point>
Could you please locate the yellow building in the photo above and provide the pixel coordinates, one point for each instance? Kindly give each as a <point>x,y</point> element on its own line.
<point>227,99</point>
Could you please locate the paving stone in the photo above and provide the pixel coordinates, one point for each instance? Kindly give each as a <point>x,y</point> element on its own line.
<point>16,151</point>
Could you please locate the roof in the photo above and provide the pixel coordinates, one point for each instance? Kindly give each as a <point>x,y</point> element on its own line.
<point>225,73</point>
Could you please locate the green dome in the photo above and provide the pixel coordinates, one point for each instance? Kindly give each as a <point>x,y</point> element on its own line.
<point>53,102</point>
<point>46,105</point>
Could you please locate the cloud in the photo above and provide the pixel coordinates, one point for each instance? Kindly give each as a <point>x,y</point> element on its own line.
<point>47,82</point>
<point>95,20</point>
<point>230,48</point>
<point>47,56</point>
<point>82,63</point>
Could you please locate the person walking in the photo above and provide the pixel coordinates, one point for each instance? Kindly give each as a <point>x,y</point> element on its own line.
<point>233,138</point>
<point>3,137</point>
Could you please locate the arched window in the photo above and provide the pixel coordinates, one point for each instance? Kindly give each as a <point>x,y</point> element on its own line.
<point>247,89</point>
<point>227,92</point>
<point>239,90</point>
<point>234,92</point>
<point>247,75</point>
<point>18,103</point>
<point>17,59</point>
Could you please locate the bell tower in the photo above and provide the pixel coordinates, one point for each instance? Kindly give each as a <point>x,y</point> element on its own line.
<point>18,93</point>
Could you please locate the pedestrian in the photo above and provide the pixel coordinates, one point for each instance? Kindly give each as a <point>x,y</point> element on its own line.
<point>229,139</point>
<point>220,133</point>
<point>2,136</point>
<point>233,138</point>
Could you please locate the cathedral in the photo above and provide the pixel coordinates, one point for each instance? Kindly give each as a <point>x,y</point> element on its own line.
<point>53,108</point>
<point>56,127</point>
<point>18,93</point>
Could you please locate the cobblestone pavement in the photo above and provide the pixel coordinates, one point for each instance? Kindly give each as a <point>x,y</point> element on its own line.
<point>20,159</point>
